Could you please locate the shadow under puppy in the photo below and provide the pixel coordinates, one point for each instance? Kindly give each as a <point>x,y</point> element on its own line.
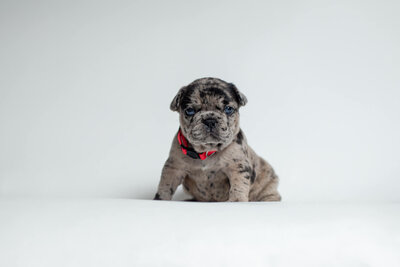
<point>210,156</point>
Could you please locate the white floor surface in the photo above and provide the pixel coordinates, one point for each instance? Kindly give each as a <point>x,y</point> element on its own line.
<point>126,232</point>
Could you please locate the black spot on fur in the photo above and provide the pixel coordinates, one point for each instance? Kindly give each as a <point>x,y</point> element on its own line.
<point>157,197</point>
<point>186,96</point>
<point>253,175</point>
<point>171,191</point>
<point>250,172</point>
<point>216,91</point>
<point>239,137</point>
<point>212,185</point>
<point>234,92</point>
<point>219,93</point>
<point>245,169</point>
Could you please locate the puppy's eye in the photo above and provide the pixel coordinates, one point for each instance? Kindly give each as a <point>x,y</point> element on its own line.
<point>190,111</point>
<point>229,110</point>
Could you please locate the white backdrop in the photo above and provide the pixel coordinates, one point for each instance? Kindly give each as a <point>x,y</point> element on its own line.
<point>85,88</point>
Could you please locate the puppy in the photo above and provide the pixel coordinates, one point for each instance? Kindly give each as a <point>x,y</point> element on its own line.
<point>210,156</point>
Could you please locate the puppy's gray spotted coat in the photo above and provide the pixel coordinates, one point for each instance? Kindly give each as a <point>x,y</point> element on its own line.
<point>235,172</point>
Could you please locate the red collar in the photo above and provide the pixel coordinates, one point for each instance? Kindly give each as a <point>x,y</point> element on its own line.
<point>190,151</point>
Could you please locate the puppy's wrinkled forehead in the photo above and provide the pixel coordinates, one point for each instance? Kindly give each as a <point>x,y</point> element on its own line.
<point>209,92</point>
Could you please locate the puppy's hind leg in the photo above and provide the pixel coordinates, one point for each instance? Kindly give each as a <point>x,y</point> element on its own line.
<point>270,192</point>
<point>271,197</point>
<point>265,187</point>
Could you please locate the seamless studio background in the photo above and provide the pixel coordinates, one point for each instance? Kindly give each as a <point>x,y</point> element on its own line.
<point>85,89</point>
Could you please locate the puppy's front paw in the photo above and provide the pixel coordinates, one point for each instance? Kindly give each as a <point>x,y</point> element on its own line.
<point>162,196</point>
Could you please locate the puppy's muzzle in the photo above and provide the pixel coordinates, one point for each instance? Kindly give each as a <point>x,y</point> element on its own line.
<point>210,124</point>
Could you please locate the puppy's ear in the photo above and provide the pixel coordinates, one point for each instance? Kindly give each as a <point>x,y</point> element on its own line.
<point>175,104</point>
<point>240,97</point>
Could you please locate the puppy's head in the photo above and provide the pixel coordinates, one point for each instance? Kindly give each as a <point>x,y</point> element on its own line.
<point>209,113</point>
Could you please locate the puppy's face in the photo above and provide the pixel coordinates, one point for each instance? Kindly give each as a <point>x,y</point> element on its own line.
<point>209,113</point>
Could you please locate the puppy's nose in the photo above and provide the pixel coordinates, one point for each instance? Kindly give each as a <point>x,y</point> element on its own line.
<point>210,123</point>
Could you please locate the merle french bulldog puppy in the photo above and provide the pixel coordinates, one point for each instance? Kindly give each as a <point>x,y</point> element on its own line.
<point>210,156</point>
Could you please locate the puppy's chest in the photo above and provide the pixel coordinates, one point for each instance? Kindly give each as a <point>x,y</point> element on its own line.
<point>205,176</point>
<point>201,175</point>
<point>209,185</point>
